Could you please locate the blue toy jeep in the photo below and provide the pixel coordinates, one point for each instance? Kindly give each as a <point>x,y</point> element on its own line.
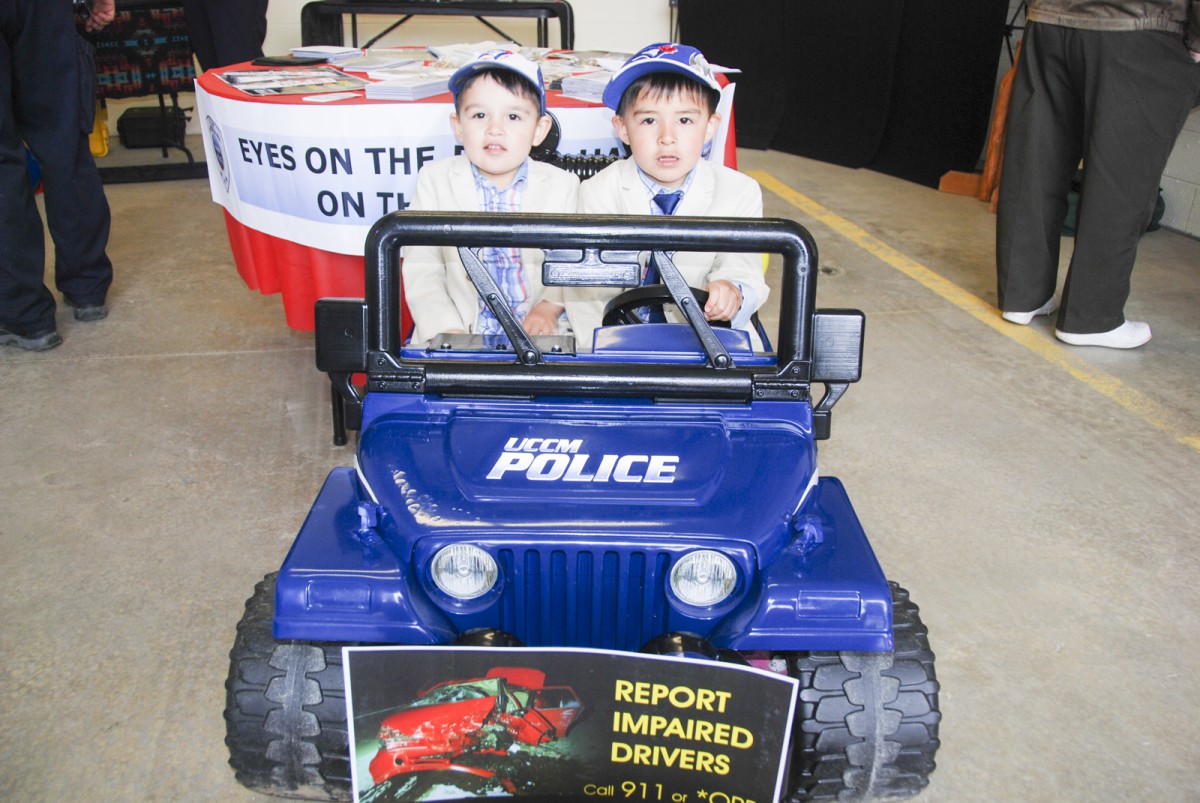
<point>656,493</point>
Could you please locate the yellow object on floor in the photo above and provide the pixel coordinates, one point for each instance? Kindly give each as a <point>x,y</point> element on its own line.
<point>98,139</point>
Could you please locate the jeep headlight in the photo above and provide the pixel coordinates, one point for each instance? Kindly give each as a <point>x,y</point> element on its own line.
<point>464,571</point>
<point>703,578</point>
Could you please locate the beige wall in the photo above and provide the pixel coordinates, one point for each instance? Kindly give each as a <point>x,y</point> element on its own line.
<point>1181,181</point>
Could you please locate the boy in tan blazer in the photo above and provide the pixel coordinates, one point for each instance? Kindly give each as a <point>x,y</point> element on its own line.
<point>499,116</point>
<point>665,99</point>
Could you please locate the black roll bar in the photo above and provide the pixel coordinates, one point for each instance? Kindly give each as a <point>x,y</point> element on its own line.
<point>607,232</point>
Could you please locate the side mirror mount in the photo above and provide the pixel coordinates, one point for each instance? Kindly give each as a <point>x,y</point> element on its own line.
<point>341,338</point>
<point>836,359</point>
<point>341,335</point>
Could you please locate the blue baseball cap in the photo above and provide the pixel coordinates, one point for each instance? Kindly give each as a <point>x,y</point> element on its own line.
<point>503,60</point>
<point>662,57</point>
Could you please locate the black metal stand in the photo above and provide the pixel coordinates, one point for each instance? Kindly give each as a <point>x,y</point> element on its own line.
<point>321,21</point>
<point>168,133</point>
<point>1011,27</point>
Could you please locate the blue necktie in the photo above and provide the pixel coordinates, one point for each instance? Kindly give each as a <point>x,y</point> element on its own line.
<point>666,201</point>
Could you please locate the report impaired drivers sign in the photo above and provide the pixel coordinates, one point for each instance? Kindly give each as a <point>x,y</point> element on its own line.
<point>444,723</point>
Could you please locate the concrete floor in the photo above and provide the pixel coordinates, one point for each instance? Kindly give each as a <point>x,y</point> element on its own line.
<point>1038,501</point>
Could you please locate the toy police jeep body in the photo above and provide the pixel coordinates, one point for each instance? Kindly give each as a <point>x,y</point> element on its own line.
<point>659,493</point>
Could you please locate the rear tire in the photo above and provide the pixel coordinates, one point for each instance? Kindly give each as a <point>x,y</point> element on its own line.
<point>285,710</point>
<point>867,722</point>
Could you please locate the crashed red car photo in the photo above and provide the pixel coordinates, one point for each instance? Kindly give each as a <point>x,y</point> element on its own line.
<point>490,714</point>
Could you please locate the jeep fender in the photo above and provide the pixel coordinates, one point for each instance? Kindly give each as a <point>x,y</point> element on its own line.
<point>340,582</point>
<point>834,597</point>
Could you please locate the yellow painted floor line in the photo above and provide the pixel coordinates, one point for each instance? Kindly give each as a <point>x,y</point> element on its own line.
<point>1108,386</point>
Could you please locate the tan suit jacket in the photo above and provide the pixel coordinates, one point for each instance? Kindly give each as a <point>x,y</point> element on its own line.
<point>716,191</point>
<point>436,286</point>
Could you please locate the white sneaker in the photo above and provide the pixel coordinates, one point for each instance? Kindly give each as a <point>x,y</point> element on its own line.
<point>1128,335</point>
<point>1024,318</point>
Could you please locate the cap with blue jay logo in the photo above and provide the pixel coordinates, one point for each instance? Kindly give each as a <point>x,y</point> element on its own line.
<point>503,60</point>
<point>662,57</point>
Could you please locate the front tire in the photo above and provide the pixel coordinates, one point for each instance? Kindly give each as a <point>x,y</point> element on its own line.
<point>867,722</point>
<point>285,710</point>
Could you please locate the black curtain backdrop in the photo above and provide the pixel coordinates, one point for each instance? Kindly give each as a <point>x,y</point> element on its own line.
<point>904,87</point>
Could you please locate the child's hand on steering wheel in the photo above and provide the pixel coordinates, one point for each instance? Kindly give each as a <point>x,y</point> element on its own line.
<point>724,301</point>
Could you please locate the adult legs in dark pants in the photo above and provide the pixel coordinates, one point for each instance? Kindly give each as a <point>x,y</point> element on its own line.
<point>47,96</point>
<point>1116,100</point>
<point>225,32</point>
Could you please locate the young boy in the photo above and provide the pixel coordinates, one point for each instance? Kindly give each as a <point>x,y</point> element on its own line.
<point>499,116</point>
<point>665,98</point>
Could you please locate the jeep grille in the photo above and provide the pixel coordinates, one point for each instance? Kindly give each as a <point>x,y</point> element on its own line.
<point>584,598</point>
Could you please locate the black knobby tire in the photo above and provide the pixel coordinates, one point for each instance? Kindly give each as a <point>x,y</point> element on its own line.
<point>867,723</point>
<point>285,710</point>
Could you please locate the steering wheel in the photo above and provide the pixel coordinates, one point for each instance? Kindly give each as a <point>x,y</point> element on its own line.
<point>624,308</point>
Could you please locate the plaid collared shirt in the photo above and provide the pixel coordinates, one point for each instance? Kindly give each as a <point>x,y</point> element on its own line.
<point>503,263</point>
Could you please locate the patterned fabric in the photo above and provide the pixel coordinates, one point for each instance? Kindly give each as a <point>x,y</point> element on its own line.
<point>504,264</point>
<point>144,50</point>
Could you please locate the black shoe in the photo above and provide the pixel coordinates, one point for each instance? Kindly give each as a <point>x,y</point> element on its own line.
<point>39,341</point>
<point>87,312</point>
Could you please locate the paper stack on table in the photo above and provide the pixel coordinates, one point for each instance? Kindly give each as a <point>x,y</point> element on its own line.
<point>586,86</point>
<point>379,59</point>
<point>590,59</point>
<point>409,85</point>
<point>332,53</point>
<point>459,54</point>
<point>300,81</point>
